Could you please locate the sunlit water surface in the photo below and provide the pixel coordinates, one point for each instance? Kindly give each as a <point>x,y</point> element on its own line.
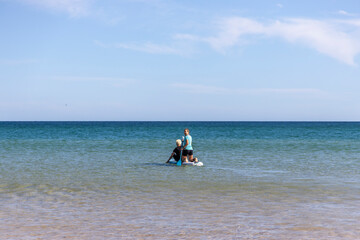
<point>260,180</point>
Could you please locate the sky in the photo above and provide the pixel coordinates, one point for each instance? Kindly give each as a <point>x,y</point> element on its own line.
<point>155,60</point>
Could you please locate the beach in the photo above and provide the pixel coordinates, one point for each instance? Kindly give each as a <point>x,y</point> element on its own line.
<point>109,180</point>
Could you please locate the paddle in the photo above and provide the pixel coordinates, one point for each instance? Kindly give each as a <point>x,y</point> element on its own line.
<point>180,160</point>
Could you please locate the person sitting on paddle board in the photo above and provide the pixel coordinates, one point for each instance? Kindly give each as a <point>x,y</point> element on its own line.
<point>176,152</point>
<point>187,149</point>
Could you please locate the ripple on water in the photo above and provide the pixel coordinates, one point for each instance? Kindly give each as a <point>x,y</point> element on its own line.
<point>105,180</point>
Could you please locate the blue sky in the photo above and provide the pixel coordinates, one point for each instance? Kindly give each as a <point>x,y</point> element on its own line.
<point>179,60</point>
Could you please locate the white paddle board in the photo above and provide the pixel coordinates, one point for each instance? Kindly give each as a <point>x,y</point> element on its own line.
<point>199,164</point>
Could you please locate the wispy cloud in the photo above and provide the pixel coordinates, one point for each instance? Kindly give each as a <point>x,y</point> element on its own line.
<point>116,82</point>
<point>74,8</point>
<point>17,61</point>
<point>345,13</point>
<point>207,89</point>
<point>202,89</point>
<point>146,47</point>
<point>78,9</point>
<point>337,39</point>
<point>149,48</point>
<point>351,22</point>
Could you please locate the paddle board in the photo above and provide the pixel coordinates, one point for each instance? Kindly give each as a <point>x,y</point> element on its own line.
<point>199,164</point>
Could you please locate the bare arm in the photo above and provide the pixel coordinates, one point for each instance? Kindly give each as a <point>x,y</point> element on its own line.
<point>187,143</point>
<point>172,154</point>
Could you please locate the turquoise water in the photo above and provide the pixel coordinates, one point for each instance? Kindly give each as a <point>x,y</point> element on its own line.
<point>96,180</point>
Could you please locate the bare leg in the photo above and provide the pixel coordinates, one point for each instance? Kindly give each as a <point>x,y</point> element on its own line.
<point>184,159</point>
<point>195,160</point>
<point>191,158</point>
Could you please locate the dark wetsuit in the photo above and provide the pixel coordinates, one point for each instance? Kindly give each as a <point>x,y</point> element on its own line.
<point>176,155</point>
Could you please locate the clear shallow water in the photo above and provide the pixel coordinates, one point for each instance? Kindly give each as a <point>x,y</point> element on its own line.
<point>95,180</point>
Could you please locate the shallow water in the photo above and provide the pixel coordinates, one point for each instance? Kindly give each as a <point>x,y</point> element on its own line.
<point>96,180</point>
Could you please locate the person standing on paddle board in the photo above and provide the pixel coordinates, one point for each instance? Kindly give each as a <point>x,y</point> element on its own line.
<point>176,152</point>
<point>187,152</point>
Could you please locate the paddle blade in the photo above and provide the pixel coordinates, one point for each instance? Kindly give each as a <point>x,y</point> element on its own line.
<point>179,162</point>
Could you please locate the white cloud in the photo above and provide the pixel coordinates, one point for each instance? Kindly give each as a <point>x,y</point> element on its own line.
<point>337,39</point>
<point>17,61</point>
<point>75,8</point>
<point>90,79</point>
<point>202,89</point>
<point>322,36</point>
<point>206,89</point>
<point>231,30</point>
<point>345,13</point>
<point>146,47</point>
<point>351,22</point>
<point>116,82</point>
<point>149,48</point>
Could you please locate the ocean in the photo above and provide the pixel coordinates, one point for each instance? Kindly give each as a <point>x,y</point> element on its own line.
<point>109,180</point>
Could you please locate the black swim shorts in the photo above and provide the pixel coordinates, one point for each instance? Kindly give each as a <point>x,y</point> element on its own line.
<point>187,152</point>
